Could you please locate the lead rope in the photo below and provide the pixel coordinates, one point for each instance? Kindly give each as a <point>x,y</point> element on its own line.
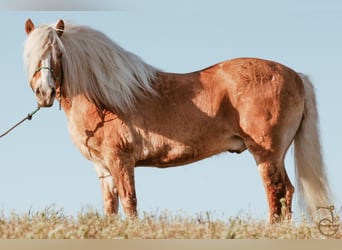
<point>28,117</point>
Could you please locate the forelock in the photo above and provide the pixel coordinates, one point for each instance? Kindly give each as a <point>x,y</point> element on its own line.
<point>37,43</point>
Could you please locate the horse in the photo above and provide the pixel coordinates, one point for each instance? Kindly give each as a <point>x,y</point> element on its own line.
<point>123,113</point>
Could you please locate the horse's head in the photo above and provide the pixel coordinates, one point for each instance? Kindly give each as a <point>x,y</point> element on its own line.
<point>44,62</point>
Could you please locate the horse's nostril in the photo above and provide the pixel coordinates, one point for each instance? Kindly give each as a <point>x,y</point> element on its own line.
<point>37,92</point>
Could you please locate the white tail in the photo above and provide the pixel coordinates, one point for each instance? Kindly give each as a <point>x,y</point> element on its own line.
<point>312,182</point>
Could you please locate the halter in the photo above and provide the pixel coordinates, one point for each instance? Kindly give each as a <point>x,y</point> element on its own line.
<point>55,78</point>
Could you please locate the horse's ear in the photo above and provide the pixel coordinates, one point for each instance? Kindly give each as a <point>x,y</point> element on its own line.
<point>29,26</point>
<point>59,27</point>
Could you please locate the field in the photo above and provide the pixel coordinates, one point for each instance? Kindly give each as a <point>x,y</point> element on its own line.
<point>52,223</point>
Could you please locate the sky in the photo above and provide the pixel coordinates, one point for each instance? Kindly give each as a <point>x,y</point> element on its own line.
<point>41,168</point>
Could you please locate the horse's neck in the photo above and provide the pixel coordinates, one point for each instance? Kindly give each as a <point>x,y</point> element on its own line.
<point>65,103</point>
<point>80,109</point>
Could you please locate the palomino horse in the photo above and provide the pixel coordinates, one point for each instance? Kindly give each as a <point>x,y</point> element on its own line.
<point>124,113</point>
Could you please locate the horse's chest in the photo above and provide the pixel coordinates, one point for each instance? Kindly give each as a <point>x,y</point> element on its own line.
<point>88,142</point>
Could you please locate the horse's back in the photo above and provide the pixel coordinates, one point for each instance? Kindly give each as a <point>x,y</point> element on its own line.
<point>253,73</point>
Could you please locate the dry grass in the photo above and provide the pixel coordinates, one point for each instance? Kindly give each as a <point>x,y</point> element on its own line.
<point>52,223</point>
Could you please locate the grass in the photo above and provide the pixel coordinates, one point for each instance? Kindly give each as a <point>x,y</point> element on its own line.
<point>52,223</point>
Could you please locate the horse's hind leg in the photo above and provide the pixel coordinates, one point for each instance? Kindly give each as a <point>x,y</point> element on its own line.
<point>278,187</point>
<point>288,196</point>
<point>268,133</point>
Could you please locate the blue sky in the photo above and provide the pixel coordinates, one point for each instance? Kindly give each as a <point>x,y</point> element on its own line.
<point>40,166</point>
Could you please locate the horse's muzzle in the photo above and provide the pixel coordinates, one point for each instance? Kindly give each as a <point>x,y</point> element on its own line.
<point>45,98</point>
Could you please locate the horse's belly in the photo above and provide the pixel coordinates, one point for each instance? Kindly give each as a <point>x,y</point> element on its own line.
<point>175,154</point>
<point>167,156</point>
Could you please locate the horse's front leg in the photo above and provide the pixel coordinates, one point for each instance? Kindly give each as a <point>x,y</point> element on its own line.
<point>123,172</point>
<point>109,190</point>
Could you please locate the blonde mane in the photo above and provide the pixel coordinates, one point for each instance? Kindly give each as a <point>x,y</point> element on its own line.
<point>93,65</point>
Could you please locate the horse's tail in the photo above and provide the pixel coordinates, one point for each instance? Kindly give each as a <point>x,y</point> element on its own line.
<point>312,182</point>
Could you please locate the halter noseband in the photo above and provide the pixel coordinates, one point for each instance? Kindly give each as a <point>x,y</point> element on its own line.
<point>50,69</point>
